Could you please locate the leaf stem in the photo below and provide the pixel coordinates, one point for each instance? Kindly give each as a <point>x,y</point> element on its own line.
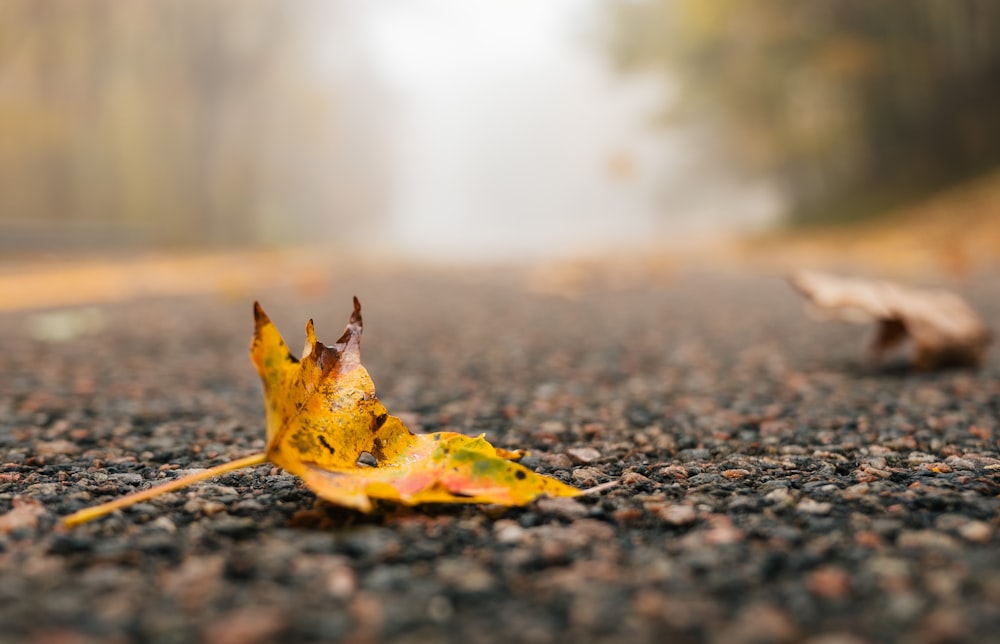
<point>88,514</point>
<point>597,489</point>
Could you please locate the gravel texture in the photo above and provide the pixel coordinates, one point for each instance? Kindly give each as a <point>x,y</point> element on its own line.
<point>771,485</point>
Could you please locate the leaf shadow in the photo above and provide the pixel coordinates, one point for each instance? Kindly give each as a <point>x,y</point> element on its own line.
<point>328,516</point>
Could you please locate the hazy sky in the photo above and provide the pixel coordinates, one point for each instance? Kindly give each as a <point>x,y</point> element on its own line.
<point>510,136</point>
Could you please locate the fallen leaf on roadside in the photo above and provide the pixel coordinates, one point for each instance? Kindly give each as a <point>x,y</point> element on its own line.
<point>326,425</point>
<point>944,329</point>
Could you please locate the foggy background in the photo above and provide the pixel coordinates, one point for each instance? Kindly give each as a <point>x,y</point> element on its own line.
<point>481,130</point>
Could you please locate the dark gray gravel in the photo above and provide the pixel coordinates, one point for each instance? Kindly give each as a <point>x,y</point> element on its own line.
<point>772,486</point>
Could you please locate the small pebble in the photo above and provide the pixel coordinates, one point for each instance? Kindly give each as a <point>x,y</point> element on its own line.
<point>583,455</point>
<point>634,478</point>
<point>976,531</point>
<point>563,507</point>
<point>829,581</point>
<point>810,506</point>
<point>676,515</point>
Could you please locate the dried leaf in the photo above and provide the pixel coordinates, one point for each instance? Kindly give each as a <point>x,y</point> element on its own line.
<point>944,328</point>
<point>324,422</point>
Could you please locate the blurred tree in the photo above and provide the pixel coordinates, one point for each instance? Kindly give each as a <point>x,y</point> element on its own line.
<point>852,105</point>
<point>185,122</point>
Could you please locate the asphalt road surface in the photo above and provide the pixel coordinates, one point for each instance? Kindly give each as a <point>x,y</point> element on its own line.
<point>772,486</point>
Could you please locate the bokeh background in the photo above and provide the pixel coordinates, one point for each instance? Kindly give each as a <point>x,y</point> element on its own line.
<point>500,131</point>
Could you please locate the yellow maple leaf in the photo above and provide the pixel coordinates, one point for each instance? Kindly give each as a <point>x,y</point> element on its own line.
<point>323,417</point>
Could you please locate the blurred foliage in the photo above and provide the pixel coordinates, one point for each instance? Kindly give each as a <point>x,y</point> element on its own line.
<point>852,105</point>
<point>185,122</point>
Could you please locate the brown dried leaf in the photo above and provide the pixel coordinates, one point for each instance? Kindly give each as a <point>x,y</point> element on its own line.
<point>944,328</point>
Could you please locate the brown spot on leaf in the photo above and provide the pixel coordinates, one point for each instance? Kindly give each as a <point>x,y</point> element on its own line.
<point>330,448</point>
